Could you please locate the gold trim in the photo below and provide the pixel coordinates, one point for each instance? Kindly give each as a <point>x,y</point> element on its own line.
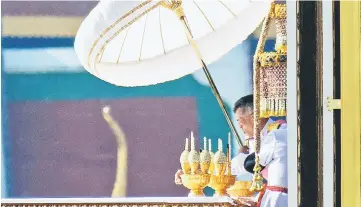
<point>227,8</point>
<point>272,59</point>
<point>279,12</point>
<point>114,24</point>
<point>121,47</point>
<point>118,32</point>
<point>141,44</point>
<point>257,177</point>
<point>209,22</point>
<point>350,24</point>
<point>101,55</point>
<point>161,31</point>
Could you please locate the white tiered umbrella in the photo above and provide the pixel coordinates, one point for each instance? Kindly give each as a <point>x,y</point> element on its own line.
<point>132,43</point>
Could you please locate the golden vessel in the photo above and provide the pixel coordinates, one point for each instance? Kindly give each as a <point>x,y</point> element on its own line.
<point>205,169</point>
<point>195,183</point>
<point>220,183</point>
<point>240,189</point>
<point>193,178</point>
<point>222,179</point>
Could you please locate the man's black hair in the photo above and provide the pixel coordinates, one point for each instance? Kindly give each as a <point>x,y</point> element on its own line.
<point>244,102</point>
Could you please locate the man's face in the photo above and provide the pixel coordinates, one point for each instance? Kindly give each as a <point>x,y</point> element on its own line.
<point>245,121</point>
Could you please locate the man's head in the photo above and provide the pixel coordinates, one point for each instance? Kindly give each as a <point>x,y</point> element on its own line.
<point>243,109</point>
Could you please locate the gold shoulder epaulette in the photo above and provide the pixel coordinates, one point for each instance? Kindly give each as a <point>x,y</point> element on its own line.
<point>273,126</point>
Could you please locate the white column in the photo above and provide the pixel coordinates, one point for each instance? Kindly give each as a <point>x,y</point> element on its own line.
<point>328,136</point>
<point>292,103</point>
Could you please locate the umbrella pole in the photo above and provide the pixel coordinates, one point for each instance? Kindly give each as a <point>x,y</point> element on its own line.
<point>210,80</point>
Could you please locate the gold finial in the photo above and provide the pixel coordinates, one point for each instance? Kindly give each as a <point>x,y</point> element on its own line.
<point>175,6</point>
<point>257,181</point>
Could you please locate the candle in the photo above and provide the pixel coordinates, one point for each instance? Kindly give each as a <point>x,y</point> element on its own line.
<point>220,148</point>
<point>186,145</point>
<point>193,146</point>
<point>204,143</point>
<point>210,145</point>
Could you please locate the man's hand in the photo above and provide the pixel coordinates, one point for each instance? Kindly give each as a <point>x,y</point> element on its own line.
<point>177,178</point>
<point>244,150</point>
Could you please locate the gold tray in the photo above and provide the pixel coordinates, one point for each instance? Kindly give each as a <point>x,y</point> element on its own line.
<point>240,189</point>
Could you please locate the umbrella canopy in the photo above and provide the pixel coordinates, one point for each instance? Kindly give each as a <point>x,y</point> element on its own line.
<point>143,43</point>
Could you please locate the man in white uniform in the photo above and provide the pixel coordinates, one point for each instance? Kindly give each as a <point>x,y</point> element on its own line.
<point>273,154</point>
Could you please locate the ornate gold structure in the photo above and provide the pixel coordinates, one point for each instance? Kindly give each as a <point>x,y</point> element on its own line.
<point>273,67</point>
<point>197,173</point>
<point>220,183</point>
<point>269,80</point>
<point>222,179</point>
<point>193,178</point>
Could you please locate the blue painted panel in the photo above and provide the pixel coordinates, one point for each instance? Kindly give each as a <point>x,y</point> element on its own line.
<point>35,42</point>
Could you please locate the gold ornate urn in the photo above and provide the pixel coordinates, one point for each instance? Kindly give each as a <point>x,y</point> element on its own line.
<point>195,179</point>
<point>205,169</point>
<point>222,179</point>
